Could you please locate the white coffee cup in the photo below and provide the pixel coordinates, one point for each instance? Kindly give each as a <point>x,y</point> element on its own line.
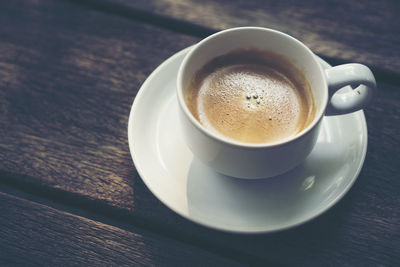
<point>244,160</point>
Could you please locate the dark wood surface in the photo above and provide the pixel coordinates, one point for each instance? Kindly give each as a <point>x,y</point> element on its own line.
<point>70,194</point>
<point>35,234</point>
<point>357,31</point>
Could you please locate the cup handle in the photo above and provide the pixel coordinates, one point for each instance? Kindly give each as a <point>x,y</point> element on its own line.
<point>354,75</point>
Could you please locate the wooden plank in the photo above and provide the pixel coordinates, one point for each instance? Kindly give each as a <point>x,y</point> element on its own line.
<point>37,235</point>
<point>351,31</point>
<point>68,78</point>
<point>66,90</point>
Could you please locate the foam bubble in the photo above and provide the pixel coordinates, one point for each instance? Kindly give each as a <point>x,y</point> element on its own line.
<point>250,103</point>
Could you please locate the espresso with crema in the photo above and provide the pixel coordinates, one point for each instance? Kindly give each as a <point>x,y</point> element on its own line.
<point>251,96</point>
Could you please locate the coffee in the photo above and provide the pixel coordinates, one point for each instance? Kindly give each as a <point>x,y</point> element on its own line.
<point>251,96</point>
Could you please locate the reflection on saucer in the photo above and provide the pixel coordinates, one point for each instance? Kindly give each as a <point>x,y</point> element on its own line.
<point>277,201</point>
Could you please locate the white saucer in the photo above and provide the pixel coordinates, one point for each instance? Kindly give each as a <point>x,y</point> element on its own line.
<point>201,195</point>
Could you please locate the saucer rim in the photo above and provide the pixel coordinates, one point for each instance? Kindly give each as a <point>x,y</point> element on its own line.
<point>147,182</point>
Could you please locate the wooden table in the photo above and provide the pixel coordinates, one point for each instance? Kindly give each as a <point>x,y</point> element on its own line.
<point>69,192</point>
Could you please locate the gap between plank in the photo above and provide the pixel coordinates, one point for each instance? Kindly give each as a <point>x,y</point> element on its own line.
<point>164,22</point>
<point>97,210</point>
<point>192,29</point>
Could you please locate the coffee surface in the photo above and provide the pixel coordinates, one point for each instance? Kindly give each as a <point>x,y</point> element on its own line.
<point>251,96</point>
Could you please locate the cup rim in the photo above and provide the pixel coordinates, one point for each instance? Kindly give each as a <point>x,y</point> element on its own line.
<point>228,141</point>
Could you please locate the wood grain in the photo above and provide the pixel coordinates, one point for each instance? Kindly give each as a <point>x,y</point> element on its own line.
<point>68,76</point>
<point>352,31</point>
<point>36,235</point>
<point>66,91</point>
